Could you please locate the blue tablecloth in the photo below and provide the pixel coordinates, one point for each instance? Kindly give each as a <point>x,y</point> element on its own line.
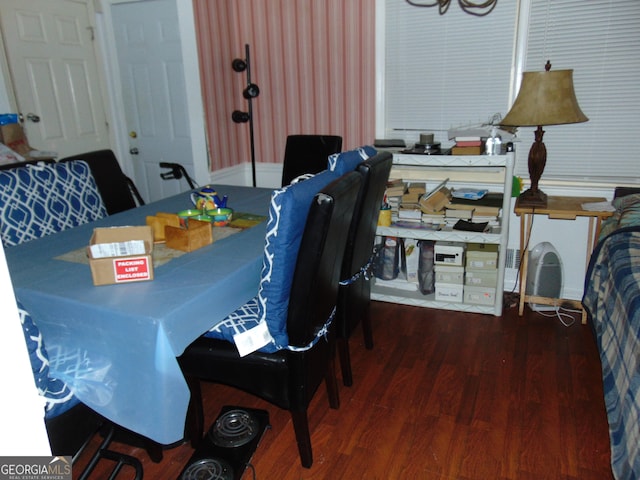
<point>119,343</point>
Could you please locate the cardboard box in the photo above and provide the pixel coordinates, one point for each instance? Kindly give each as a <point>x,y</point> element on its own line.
<point>482,256</point>
<point>481,277</point>
<point>447,292</point>
<point>159,221</point>
<point>479,295</point>
<point>448,253</point>
<point>13,136</point>
<point>449,274</point>
<point>195,234</point>
<point>121,255</point>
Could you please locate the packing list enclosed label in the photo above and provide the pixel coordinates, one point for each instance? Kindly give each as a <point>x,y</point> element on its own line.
<point>131,269</point>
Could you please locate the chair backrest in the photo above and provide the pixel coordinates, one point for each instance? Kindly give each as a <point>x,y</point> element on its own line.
<point>38,200</point>
<point>362,232</point>
<point>117,190</point>
<point>11,166</point>
<point>314,291</point>
<point>307,154</point>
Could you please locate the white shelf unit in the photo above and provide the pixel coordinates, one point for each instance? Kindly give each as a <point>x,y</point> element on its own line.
<point>478,171</point>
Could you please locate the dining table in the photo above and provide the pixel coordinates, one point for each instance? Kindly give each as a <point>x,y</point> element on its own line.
<point>117,345</point>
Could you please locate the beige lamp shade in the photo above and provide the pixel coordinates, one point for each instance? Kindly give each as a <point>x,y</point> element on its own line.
<point>545,98</point>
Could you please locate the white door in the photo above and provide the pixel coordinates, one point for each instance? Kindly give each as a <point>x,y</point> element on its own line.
<point>153,84</point>
<point>49,47</point>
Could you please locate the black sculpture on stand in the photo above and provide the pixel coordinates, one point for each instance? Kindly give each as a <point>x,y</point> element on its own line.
<point>250,92</point>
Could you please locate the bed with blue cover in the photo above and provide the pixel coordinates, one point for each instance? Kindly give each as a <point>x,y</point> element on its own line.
<point>612,300</point>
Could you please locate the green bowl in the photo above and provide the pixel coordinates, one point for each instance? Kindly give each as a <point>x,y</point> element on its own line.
<point>190,213</point>
<point>220,216</point>
<point>202,218</point>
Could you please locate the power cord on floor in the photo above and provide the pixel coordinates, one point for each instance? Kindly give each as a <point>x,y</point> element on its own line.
<point>563,313</point>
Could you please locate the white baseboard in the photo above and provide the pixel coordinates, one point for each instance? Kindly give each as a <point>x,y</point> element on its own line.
<point>268,175</point>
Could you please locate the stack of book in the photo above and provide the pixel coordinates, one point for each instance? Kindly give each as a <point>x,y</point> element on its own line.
<point>409,209</point>
<point>484,210</point>
<point>393,195</point>
<point>436,218</point>
<point>468,145</point>
<point>452,214</point>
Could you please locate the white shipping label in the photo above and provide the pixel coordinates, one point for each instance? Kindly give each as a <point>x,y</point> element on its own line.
<point>118,249</point>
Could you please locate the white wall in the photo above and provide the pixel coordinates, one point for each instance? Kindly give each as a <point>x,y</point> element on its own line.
<point>21,416</point>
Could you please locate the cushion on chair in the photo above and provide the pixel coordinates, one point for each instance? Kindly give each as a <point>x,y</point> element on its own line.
<point>288,211</point>
<point>345,162</point>
<point>38,200</point>
<point>243,319</point>
<point>58,396</point>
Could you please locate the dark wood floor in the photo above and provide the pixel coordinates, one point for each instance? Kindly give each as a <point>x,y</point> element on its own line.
<point>444,395</point>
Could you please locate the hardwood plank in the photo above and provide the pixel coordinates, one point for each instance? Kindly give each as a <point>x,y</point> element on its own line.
<point>443,395</point>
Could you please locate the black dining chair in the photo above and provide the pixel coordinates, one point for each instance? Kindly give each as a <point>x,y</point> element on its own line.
<point>307,154</point>
<point>118,191</point>
<point>290,376</point>
<point>354,295</point>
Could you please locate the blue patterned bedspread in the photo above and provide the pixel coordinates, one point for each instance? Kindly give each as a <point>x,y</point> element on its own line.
<point>612,299</point>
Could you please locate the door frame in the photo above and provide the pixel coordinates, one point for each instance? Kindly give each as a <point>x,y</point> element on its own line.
<point>195,107</point>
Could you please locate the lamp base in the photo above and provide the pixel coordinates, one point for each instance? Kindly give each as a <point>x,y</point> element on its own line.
<point>531,198</point>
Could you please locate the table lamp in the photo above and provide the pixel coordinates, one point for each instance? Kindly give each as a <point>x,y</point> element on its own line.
<point>545,98</point>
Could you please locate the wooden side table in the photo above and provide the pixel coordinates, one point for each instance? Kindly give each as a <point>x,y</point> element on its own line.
<point>564,208</point>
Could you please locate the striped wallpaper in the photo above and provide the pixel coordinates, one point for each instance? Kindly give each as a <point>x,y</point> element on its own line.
<point>314,62</point>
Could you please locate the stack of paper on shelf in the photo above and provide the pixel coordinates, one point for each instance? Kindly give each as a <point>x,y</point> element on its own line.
<point>410,212</point>
<point>468,145</point>
<point>433,218</point>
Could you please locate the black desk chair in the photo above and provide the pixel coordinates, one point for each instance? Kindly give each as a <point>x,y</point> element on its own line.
<point>289,377</point>
<point>307,154</point>
<point>118,191</point>
<point>354,296</point>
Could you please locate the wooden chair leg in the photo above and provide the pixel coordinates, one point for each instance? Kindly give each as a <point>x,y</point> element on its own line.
<point>332,383</point>
<point>195,414</point>
<point>345,361</point>
<point>303,437</point>
<point>367,331</point>
<point>154,450</point>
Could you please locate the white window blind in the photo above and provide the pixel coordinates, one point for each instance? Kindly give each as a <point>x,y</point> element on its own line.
<point>451,70</point>
<point>600,41</point>
<point>444,71</point>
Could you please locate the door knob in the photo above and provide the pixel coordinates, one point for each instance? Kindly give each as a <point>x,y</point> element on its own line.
<point>33,117</point>
<point>134,151</point>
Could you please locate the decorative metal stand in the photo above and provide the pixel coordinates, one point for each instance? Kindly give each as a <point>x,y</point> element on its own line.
<point>250,92</point>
